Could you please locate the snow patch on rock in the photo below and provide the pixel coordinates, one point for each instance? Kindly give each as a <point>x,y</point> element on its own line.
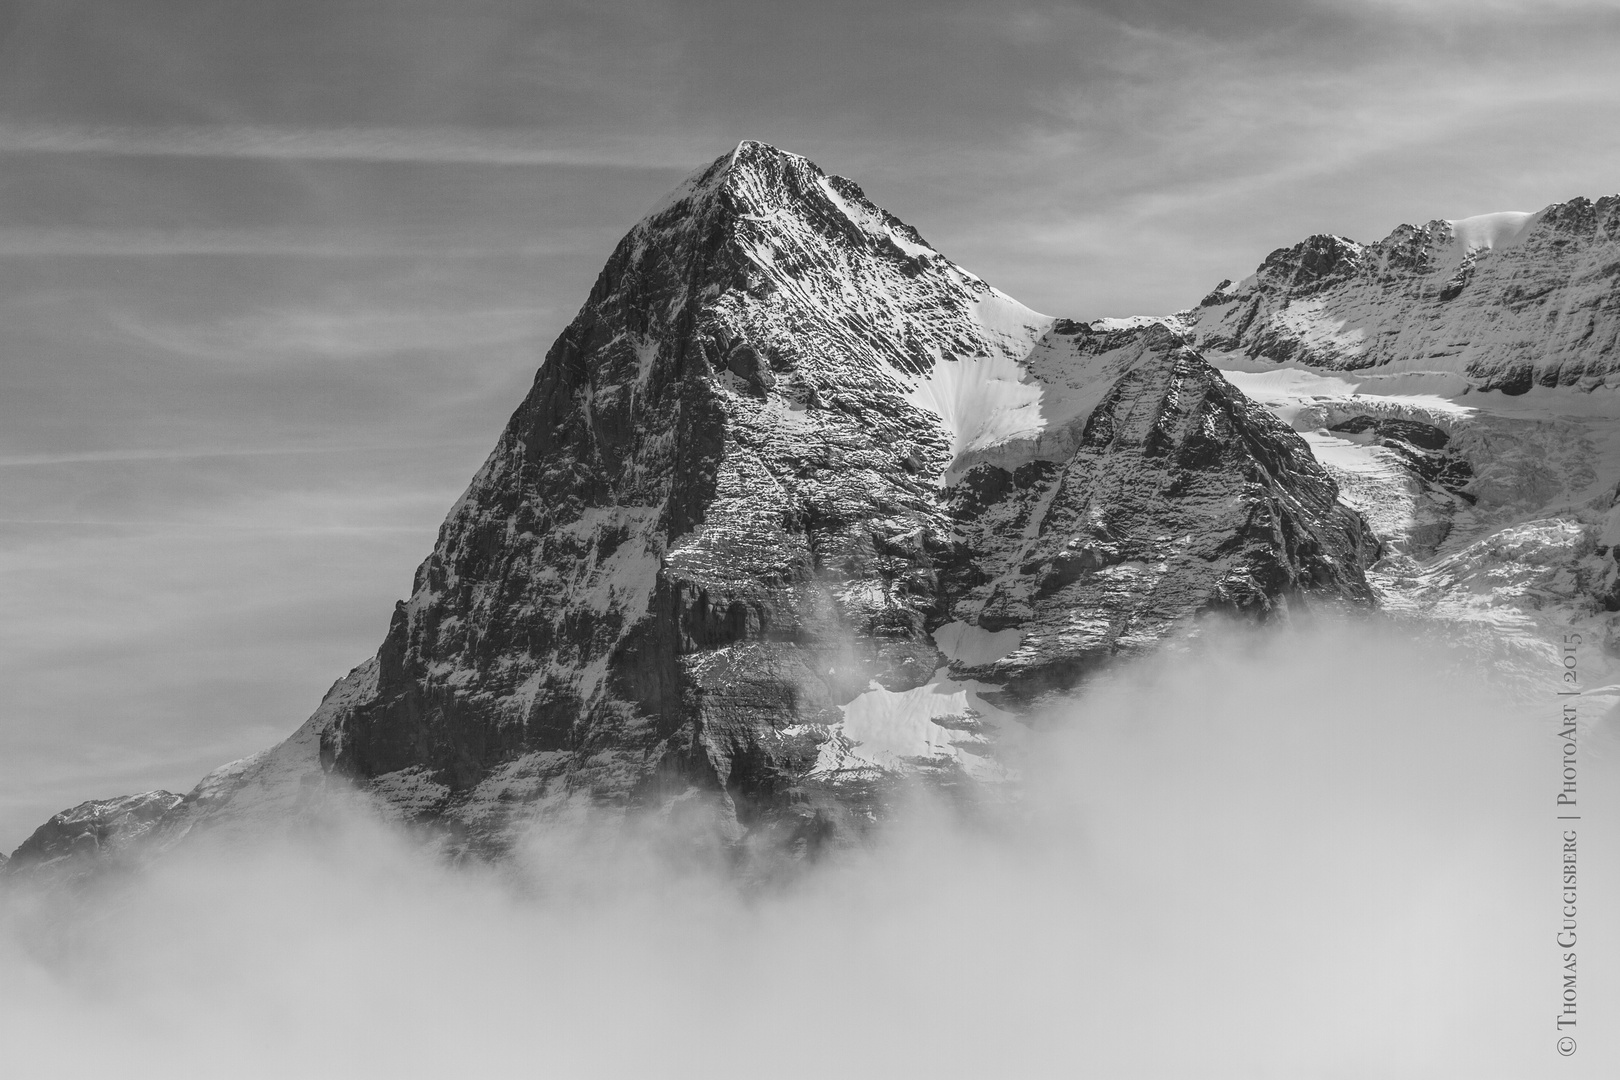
<point>973,646</point>
<point>980,402</point>
<point>1492,231</point>
<point>937,723</point>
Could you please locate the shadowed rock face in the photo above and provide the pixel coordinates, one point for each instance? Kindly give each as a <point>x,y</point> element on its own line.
<point>782,445</point>
<point>1181,496</point>
<point>1505,301</point>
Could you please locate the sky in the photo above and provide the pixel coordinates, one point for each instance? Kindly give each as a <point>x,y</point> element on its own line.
<point>273,275</point>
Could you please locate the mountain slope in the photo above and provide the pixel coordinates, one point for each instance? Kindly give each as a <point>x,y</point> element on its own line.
<point>796,504</point>
<point>91,831</point>
<point>1462,383</point>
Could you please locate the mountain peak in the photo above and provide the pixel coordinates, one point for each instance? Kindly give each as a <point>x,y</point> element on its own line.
<point>784,443</point>
<point>752,152</point>
<point>759,189</point>
<point>789,497</point>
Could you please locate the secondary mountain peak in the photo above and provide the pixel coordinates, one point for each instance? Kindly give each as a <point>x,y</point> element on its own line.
<point>1502,301</point>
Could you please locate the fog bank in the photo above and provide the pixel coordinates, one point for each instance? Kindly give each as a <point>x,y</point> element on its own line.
<point>1302,855</point>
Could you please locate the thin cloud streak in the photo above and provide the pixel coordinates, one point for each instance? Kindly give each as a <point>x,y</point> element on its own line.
<point>71,241</point>
<point>424,145</point>
<point>33,460</point>
<point>343,335</point>
<point>202,526</point>
<point>1484,10</point>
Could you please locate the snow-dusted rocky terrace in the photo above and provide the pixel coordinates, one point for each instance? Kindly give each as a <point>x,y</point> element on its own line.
<point>1514,559</point>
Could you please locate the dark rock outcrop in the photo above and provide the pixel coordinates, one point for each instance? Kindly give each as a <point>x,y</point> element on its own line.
<point>1420,447</point>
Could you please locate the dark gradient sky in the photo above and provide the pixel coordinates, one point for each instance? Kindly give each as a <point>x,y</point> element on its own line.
<point>273,274</point>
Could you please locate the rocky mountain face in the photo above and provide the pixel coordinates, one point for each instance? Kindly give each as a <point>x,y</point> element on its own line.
<point>784,443</point>
<point>91,830</point>
<point>796,505</point>
<point>1498,513</point>
<point>1461,382</point>
<point>1507,301</point>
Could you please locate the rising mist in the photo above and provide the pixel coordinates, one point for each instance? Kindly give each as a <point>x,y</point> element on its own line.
<point>1322,854</point>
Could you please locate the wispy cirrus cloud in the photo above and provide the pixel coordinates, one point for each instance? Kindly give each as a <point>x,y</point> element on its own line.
<point>1476,10</point>
<point>339,335</point>
<point>16,461</point>
<point>167,527</point>
<point>297,242</point>
<point>1190,143</point>
<point>420,145</point>
<point>211,564</point>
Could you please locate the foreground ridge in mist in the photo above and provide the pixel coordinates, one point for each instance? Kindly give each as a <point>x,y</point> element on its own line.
<point>1307,874</point>
<point>797,505</point>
